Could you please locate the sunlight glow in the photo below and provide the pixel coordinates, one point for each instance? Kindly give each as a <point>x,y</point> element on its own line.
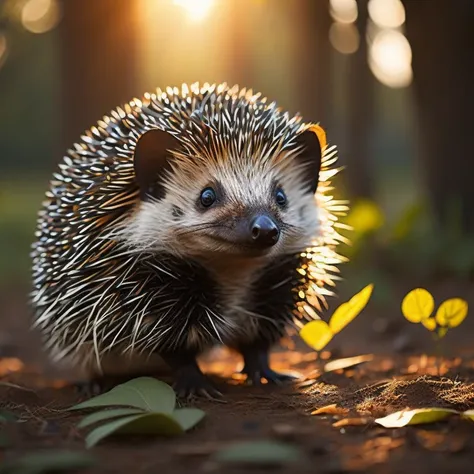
<point>344,37</point>
<point>387,13</point>
<point>390,59</point>
<point>40,16</point>
<point>343,11</point>
<point>197,9</point>
<point>3,49</point>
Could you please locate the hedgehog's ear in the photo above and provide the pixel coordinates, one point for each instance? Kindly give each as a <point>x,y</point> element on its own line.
<point>151,159</point>
<point>311,142</point>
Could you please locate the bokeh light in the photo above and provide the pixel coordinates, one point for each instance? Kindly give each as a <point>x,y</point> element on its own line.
<point>197,9</point>
<point>3,49</point>
<point>344,37</point>
<point>390,59</point>
<point>343,11</point>
<point>40,16</point>
<point>387,13</point>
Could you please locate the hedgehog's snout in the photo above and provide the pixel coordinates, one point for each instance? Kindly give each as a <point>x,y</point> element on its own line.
<point>264,231</point>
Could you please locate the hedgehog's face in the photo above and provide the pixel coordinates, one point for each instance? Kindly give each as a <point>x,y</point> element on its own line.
<point>234,207</point>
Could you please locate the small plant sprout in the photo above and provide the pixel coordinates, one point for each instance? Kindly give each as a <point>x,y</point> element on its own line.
<point>317,334</point>
<point>418,306</point>
<point>143,406</point>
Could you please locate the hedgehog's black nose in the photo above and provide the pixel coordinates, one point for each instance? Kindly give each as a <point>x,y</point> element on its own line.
<point>264,231</point>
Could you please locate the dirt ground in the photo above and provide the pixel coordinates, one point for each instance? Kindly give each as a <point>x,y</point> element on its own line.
<point>398,376</point>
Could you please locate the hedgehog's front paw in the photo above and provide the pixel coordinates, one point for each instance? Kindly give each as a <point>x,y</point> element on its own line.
<point>256,367</point>
<point>191,382</point>
<point>89,388</point>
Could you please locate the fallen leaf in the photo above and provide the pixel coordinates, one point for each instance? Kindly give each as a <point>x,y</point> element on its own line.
<point>145,393</point>
<point>452,312</point>
<point>441,442</point>
<point>148,423</point>
<point>417,416</point>
<point>418,305</point>
<point>352,422</point>
<point>330,410</point>
<point>347,312</point>
<point>347,362</point>
<point>109,415</point>
<point>49,461</point>
<point>316,334</point>
<point>259,452</point>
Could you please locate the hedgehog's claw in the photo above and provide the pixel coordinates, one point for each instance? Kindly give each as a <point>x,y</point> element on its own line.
<point>256,367</point>
<point>89,389</point>
<point>190,384</point>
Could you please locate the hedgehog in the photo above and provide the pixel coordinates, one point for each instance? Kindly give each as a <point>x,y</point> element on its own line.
<point>187,219</point>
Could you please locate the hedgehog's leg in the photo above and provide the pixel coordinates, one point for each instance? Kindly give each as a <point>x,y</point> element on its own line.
<point>189,380</point>
<point>257,366</point>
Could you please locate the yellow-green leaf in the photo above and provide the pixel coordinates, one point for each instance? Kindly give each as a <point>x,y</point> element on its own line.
<point>365,217</point>
<point>316,334</point>
<point>417,305</point>
<point>468,414</point>
<point>451,313</point>
<point>345,313</point>
<point>429,323</point>
<point>417,416</point>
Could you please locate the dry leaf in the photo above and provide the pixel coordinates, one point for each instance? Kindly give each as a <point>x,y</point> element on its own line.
<point>417,416</point>
<point>417,305</point>
<point>434,441</point>
<point>452,312</point>
<point>330,410</point>
<point>352,422</point>
<point>347,362</point>
<point>345,313</point>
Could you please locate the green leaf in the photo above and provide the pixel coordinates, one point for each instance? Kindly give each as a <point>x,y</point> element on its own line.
<point>48,461</point>
<point>259,452</point>
<point>146,393</point>
<point>147,424</point>
<point>107,415</point>
<point>417,416</point>
<point>188,417</point>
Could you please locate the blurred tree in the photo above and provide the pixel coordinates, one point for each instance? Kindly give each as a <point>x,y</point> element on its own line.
<point>360,83</point>
<point>98,61</point>
<point>313,61</point>
<point>441,35</point>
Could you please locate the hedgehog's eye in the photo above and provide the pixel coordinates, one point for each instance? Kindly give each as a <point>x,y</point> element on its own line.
<point>208,197</point>
<point>280,197</point>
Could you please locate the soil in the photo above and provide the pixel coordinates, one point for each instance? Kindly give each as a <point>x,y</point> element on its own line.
<point>342,438</point>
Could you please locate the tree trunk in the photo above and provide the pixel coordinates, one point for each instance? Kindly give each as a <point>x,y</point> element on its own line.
<point>441,37</point>
<point>360,82</point>
<point>98,54</point>
<point>313,64</point>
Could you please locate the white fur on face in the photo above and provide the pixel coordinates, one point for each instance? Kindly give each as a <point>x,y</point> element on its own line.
<point>155,226</point>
